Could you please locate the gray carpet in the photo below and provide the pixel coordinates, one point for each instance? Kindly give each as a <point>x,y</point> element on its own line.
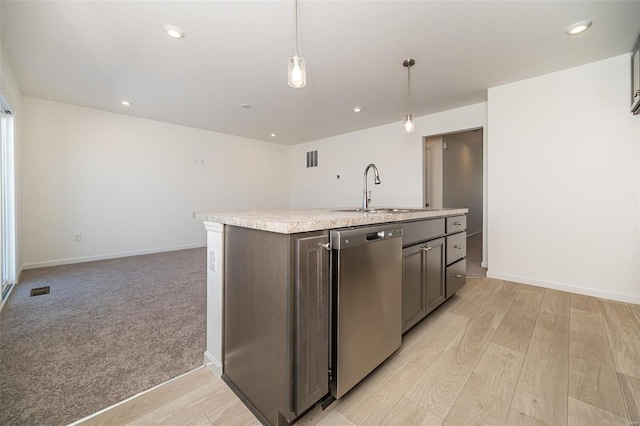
<point>108,330</point>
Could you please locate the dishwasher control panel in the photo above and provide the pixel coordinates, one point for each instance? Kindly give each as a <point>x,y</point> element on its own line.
<point>354,237</point>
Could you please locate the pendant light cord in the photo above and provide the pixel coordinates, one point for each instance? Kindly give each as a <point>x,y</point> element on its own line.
<point>409,91</point>
<point>296,28</point>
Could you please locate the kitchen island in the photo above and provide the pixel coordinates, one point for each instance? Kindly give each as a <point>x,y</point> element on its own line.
<point>269,286</point>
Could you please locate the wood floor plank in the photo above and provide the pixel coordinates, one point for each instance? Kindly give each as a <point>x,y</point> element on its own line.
<point>528,302</point>
<point>486,397</point>
<point>596,384</point>
<point>439,386</point>
<point>189,407</point>
<point>472,301</point>
<point>623,332</point>
<point>501,300</point>
<point>585,303</point>
<point>581,413</point>
<point>589,339</point>
<point>371,400</point>
<point>517,328</point>
<point>631,392</point>
<point>534,288</point>
<point>556,302</point>
<point>231,413</point>
<point>148,402</point>
<point>336,418</point>
<point>407,413</point>
<point>316,414</point>
<point>620,319</point>
<point>516,418</point>
<point>201,421</point>
<point>635,309</point>
<point>542,388</point>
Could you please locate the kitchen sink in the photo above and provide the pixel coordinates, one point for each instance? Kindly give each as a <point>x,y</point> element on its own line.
<point>379,210</point>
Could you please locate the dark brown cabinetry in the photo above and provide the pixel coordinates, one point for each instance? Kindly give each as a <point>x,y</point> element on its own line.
<point>423,284</point>
<point>434,265</point>
<point>276,300</point>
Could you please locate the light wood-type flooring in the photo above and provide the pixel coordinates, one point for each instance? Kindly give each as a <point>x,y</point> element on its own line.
<point>498,353</point>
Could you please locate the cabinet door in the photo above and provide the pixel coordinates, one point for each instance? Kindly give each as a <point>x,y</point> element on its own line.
<point>311,321</point>
<point>434,273</point>
<point>413,289</point>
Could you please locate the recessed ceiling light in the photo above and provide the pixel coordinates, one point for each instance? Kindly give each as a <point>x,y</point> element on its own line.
<point>577,28</point>
<point>273,135</point>
<point>247,106</point>
<point>126,103</point>
<point>357,109</point>
<point>173,31</point>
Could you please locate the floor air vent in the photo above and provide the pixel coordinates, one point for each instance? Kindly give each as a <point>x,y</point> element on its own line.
<point>39,291</point>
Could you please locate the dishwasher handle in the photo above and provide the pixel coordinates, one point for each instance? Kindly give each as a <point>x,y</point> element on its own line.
<point>375,235</point>
<point>353,237</point>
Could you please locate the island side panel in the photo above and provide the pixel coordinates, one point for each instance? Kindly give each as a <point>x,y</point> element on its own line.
<point>215,271</point>
<point>257,268</point>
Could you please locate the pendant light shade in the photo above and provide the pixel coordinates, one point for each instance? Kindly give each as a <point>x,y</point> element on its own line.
<point>297,72</point>
<point>408,124</point>
<point>297,69</point>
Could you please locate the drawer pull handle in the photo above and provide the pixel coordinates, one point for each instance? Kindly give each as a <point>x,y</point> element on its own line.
<point>426,248</point>
<point>457,223</point>
<point>326,246</point>
<point>457,247</point>
<point>458,276</point>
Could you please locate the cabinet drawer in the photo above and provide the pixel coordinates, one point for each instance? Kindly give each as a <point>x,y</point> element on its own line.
<point>456,224</point>
<point>414,232</point>
<point>456,247</point>
<point>456,277</point>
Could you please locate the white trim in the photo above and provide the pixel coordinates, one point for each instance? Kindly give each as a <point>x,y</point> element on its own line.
<point>484,264</point>
<point>628,298</point>
<point>97,413</point>
<point>4,301</point>
<point>58,262</point>
<point>213,364</point>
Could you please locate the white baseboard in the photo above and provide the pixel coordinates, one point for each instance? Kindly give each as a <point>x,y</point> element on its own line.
<point>70,261</point>
<point>213,364</point>
<point>483,264</point>
<point>620,297</point>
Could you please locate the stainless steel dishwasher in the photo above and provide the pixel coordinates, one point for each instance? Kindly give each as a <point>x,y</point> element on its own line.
<point>366,297</point>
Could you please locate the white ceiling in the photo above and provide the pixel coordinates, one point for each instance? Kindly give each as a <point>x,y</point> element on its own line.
<point>96,53</point>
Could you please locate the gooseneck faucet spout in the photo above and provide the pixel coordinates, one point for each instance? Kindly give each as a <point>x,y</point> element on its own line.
<point>366,194</point>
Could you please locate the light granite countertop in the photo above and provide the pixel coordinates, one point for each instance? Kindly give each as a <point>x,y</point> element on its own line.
<point>294,221</point>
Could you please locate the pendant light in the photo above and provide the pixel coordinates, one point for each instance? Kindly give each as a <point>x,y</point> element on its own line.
<point>297,69</point>
<point>408,124</point>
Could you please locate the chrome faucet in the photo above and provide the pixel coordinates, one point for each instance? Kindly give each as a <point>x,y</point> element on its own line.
<point>366,194</point>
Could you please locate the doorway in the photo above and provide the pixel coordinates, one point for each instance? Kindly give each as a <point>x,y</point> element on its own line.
<point>7,200</point>
<point>454,178</point>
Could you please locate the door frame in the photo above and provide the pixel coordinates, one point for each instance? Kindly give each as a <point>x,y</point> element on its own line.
<point>485,159</point>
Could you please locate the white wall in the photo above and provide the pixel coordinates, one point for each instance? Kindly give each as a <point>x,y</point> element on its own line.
<point>398,157</point>
<point>563,181</point>
<point>11,91</point>
<point>462,176</point>
<point>129,185</point>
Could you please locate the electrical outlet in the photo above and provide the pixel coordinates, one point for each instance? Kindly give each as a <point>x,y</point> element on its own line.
<point>213,260</point>
<point>77,238</point>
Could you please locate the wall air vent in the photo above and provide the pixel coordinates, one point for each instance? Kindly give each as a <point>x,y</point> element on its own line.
<point>312,159</point>
<point>39,291</point>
